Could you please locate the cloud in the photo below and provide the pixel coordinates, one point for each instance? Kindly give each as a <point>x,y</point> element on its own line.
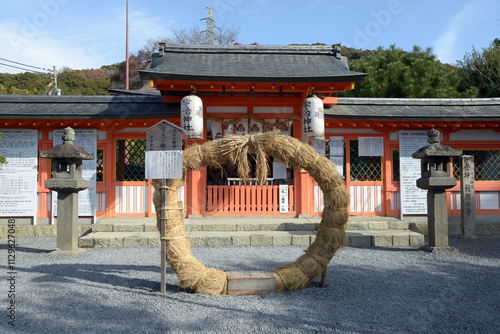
<point>314,3</point>
<point>83,46</point>
<point>444,45</point>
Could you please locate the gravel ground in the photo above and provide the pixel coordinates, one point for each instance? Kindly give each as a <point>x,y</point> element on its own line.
<point>370,290</point>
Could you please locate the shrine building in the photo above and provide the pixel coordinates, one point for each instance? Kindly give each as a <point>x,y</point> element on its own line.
<point>244,90</point>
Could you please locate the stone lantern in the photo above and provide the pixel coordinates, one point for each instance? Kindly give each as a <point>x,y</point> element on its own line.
<point>67,181</point>
<point>435,178</point>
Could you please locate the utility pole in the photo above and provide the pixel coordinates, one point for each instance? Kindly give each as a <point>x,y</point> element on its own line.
<point>127,62</point>
<point>55,78</point>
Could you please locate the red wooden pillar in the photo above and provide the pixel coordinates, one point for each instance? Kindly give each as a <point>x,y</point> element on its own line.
<point>304,190</point>
<point>196,188</point>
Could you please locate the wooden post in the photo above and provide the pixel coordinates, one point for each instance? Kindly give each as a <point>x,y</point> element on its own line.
<point>323,279</point>
<point>163,219</point>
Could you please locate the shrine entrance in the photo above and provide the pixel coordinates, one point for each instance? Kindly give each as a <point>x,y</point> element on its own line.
<point>364,175</point>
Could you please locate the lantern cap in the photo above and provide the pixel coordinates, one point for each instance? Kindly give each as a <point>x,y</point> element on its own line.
<point>68,149</point>
<point>435,149</point>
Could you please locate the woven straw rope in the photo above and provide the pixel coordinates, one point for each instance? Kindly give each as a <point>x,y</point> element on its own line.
<point>330,236</point>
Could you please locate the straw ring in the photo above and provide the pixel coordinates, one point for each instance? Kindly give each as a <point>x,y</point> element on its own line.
<point>327,241</point>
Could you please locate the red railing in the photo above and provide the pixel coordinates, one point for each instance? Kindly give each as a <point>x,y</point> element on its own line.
<point>247,199</point>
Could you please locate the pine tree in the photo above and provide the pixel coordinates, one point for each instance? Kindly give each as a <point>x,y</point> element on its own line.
<point>481,69</point>
<point>395,73</point>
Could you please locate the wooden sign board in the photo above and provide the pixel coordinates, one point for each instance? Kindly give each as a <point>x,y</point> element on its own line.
<point>164,136</point>
<point>250,282</point>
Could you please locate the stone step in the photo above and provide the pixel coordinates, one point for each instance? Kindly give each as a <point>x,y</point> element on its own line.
<point>131,225</point>
<point>377,238</point>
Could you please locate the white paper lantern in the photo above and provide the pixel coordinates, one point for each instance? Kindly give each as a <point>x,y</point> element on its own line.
<point>192,116</point>
<point>313,118</point>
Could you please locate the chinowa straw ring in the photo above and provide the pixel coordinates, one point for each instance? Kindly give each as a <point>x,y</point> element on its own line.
<point>193,274</point>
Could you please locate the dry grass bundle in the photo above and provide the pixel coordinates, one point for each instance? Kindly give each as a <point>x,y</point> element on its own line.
<point>235,149</point>
<point>193,274</point>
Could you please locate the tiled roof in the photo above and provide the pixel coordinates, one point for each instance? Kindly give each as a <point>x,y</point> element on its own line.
<point>415,109</point>
<point>137,107</point>
<point>86,107</point>
<point>258,63</point>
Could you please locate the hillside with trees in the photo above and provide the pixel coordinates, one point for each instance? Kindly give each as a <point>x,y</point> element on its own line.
<point>71,82</point>
<point>392,72</point>
<point>396,73</point>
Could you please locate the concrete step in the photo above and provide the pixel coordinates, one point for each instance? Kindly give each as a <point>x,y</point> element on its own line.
<point>228,224</point>
<point>377,238</point>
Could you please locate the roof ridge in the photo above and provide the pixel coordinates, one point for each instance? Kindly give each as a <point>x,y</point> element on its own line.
<point>294,49</point>
<point>418,101</point>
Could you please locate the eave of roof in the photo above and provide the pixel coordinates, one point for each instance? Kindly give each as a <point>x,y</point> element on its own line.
<point>144,107</point>
<point>415,109</point>
<point>86,107</point>
<point>251,63</point>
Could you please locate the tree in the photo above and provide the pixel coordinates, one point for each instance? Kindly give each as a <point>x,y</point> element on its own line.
<point>481,70</point>
<point>140,60</point>
<point>23,83</point>
<point>77,83</point>
<point>136,62</point>
<point>395,73</point>
<point>2,158</point>
<point>195,35</point>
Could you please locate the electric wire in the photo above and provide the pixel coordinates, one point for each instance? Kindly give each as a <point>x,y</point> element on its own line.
<point>24,69</point>
<point>15,62</point>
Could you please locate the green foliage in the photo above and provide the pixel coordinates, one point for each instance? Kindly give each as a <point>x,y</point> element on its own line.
<point>23,84</point>
<point>394,73</point>
<point>353,54</point>
<point>481,70</point>
<point>2,158</point>
<point>77,83</point>
<point>72,82</point>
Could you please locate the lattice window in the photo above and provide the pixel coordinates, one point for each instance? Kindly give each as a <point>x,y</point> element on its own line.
<point>100,166</point>
<point>363,168</point>
<point>130,157</point>
<point>486,165</point>
<point>395,165</point>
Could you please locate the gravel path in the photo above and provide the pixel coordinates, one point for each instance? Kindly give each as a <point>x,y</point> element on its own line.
<point>370,290</point>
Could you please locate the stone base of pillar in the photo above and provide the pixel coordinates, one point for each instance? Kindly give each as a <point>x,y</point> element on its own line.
<point>67,252</point>
<point>432,249</point>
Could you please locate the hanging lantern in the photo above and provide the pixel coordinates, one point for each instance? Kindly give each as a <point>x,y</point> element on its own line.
<point>313,118</point>
<point>192,116</point>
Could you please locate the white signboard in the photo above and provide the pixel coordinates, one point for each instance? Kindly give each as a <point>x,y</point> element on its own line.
<point>337,146</point>
<point>319,146</point>
<point>18,178</point>
<point>339,164</point>
<point>279,170</point>
<point>337,153</point>
<point>86,198</point>
<point>163,165</point>
<point>371,146</point>
<point>413,199</point>
<point>283,198</point>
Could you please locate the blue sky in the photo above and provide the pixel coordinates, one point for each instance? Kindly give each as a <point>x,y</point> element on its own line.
<point>88,34</point>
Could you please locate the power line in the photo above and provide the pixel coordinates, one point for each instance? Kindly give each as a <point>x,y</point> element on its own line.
<point>24,69</point>
<point>15,62</point>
